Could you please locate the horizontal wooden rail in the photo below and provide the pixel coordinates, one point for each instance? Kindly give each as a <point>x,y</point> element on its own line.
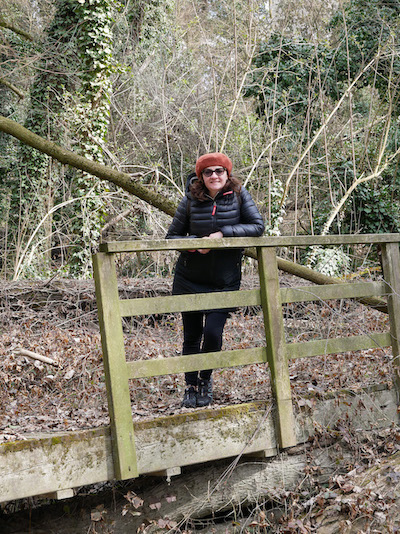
<point>250,297</point>
<point>321,347</point>
<point>248,242</point>
<point>196,362</point>
<point>192,302</point>
<point>333,292</point>
<point>240,357</point>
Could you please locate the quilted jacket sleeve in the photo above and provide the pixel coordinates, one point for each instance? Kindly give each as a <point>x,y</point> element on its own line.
<point>251,223</point>
<point>180,223</point>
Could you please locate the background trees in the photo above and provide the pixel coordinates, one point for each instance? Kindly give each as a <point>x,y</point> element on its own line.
<point>304,98</point>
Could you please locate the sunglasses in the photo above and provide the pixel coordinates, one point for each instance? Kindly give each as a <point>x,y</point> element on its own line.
<point>209,172</point>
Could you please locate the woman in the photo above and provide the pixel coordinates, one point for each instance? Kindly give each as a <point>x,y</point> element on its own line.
<point>215,206</point>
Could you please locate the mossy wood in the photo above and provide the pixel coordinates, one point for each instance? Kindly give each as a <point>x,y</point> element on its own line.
<point>269,296</point>
<point>248,242</point>
<point>115,367</point>
<point>196,362</point>
<point>179,303</point>
<point>235,358</point>
<point>321,347</point>
<point>391,271</point>
<point>332,292</point>
<point>276,346</point>
<point>251,297</point>
<point>58,461</point>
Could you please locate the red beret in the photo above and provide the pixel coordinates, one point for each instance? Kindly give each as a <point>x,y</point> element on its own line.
<point>215,158</point>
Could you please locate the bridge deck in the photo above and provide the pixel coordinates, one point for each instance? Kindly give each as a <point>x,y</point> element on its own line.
<point>57,463</point>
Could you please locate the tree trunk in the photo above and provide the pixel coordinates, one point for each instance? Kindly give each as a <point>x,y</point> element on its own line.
<point>132,185</point>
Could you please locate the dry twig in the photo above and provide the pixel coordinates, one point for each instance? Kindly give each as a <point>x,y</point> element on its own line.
<point>23,352</point>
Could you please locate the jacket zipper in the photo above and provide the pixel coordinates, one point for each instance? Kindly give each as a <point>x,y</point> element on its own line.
<point>214,209</point>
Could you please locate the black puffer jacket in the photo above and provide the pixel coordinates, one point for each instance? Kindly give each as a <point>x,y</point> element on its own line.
<point>219,269</point>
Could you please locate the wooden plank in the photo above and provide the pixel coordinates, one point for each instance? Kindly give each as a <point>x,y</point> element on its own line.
<point>276,346</point>
<point>335,346</point>
<point>245,242</point>
<point>58,460</point>
<point>196,362</point>
<point>251,297</point>
<point>391,272</point>
<point>174,244</point>
<point>115,370</point>
<point>192,302</point>
<point>337,291</point>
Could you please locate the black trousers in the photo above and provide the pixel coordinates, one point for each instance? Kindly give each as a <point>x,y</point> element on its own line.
<point>202,332</point>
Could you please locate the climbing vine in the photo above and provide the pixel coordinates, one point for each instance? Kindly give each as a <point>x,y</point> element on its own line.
<point>94,46</point>
<point>88,114</point>
<point>69,100</point>
<point>33,182</point>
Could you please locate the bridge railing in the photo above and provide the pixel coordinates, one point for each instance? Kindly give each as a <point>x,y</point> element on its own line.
<point>111,310</point>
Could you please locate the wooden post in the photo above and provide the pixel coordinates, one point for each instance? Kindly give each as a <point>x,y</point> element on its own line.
<point>391,272</point>
<point>115,366</point>
<point>276,345</point>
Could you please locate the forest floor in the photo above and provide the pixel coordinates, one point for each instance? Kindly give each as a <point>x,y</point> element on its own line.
<point>58,319</point>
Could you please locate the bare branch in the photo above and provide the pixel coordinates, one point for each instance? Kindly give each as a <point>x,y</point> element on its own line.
<point>377,172</point>
<point>11,26</point>
<point>12,88</point>
<point>322,128</point>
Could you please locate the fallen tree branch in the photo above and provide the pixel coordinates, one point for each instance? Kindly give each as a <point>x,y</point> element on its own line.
<point>34,355</point>
<point>301,271</point>
<point>68,157</point>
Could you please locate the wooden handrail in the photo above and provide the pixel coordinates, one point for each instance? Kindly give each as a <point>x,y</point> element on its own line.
<point>269,296</point>
<point>248,242</point>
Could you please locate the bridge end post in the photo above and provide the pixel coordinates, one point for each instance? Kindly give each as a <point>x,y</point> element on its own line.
<point>276,345</point>
<point>115,367</point>
<point>391,272</point>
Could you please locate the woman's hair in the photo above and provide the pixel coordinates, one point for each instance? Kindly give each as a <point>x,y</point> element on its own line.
<point>199,190</point>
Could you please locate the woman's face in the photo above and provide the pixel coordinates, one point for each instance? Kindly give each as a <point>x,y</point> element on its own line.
<point>216,180</point>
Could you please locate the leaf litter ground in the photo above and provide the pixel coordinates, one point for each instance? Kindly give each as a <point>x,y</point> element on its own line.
<point>58,319</point>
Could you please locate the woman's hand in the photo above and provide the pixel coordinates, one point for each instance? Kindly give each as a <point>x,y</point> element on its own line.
<point>214,235</point>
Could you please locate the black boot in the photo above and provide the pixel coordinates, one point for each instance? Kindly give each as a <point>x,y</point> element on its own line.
<point>189,398</point>
<point>204,395</point>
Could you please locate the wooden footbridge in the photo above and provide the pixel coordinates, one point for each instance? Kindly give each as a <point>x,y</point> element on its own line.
<point>56,464</point>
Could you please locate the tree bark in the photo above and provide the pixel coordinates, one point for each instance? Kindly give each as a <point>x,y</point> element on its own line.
<point>12,87</point>
<point>154,198</point>
<point>10,26</point>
